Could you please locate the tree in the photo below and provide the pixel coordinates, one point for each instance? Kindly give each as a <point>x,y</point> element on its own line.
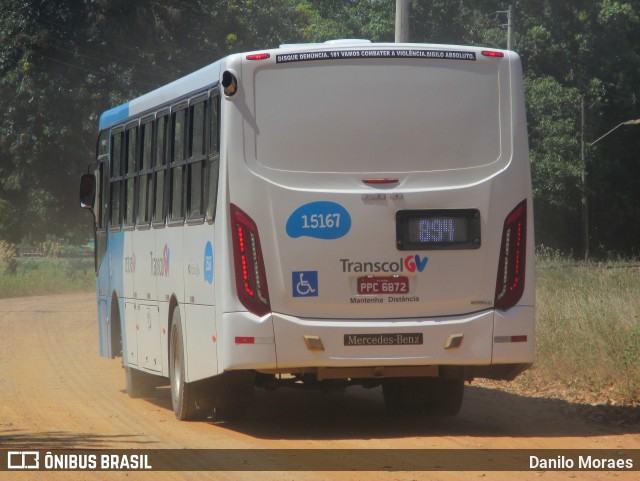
<point>63,62</point>
<point>573,50</point>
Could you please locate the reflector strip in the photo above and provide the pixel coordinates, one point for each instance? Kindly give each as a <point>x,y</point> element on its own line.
<point>245,340</point>
<point>509,339</point>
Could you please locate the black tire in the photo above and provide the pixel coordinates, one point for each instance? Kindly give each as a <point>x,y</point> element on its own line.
<point>419,396</point>
<point>140,384</point>
<point>182,395</point>
<point>232,394</point>
<point>115,329</point>
<point>445,397</point>
<point>405,396</point>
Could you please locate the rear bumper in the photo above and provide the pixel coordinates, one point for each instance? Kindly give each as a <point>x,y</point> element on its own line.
<point>488,338</point>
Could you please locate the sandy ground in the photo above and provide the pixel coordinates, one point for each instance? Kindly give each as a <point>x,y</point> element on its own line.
<point>57,393</point>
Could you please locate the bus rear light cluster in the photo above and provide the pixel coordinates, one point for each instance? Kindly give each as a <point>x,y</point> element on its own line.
<point>251,281</point>
<point>512,263</point>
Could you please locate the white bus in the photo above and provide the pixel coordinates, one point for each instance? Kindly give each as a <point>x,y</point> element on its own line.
<point>333,214</point>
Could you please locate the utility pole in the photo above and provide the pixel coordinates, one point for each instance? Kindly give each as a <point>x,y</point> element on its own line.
<point>402,21</point>
<point>585,197</point>
<point>510,27</point>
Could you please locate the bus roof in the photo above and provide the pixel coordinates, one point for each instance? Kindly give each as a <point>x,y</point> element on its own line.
<point>197,80</point>
<point>210,74</point>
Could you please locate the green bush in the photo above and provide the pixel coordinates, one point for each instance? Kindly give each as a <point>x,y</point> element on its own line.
<point>43,275</point>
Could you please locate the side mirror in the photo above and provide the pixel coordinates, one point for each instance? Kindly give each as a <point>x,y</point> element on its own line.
<point>229,83</point>
<point>87,191</point>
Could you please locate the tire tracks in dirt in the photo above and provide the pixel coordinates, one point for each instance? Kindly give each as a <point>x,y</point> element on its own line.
<point>56,393</point>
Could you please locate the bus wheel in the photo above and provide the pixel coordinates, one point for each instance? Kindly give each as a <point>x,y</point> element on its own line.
<point>445,396</point>
<point>139,384</point>
<point>233,394</point>
<point>405,396</point>
<point>182,395</point>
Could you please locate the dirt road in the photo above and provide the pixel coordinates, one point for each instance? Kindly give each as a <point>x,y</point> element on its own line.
<point>57,393</point>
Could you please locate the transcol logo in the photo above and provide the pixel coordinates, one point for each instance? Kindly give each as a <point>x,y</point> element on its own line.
<point>404,264</point>
<point>130,264</point>
<point>160,265</point>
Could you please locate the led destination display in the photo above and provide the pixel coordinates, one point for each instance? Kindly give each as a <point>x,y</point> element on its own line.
<point>438,229</point>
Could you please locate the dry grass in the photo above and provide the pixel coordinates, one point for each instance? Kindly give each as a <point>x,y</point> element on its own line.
<point>588,327</point>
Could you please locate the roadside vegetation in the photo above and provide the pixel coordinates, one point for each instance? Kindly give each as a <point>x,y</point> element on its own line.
<point>588,330</point>
<point>48,268</point>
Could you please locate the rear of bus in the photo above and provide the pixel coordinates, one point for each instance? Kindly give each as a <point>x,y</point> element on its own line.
<point>380,211</point>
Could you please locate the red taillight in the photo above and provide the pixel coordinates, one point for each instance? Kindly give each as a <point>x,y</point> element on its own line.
<point>492,53</point>
<point>251,280</point>
<point>513,255</point>
<point>258,56</point>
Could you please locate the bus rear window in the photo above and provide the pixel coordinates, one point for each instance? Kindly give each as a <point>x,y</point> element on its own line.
<point>377,117</point>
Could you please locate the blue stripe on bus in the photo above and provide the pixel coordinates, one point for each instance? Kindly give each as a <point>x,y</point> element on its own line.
<point>114,115</point>
<point>110,280</point>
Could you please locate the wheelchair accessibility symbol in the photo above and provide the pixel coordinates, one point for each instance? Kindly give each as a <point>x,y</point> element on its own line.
<point>304,283</point>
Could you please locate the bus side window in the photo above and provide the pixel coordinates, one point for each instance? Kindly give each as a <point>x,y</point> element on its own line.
<point>214,155</point>
<point>159,170</point>
<point>178,156</point>
<point>145,186</point>
<point>116,180</point>
<point>101,185</point>
<point>99,196</point>
<point>197,130</point>
<point>105,196</point>
<point>130,176</point>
